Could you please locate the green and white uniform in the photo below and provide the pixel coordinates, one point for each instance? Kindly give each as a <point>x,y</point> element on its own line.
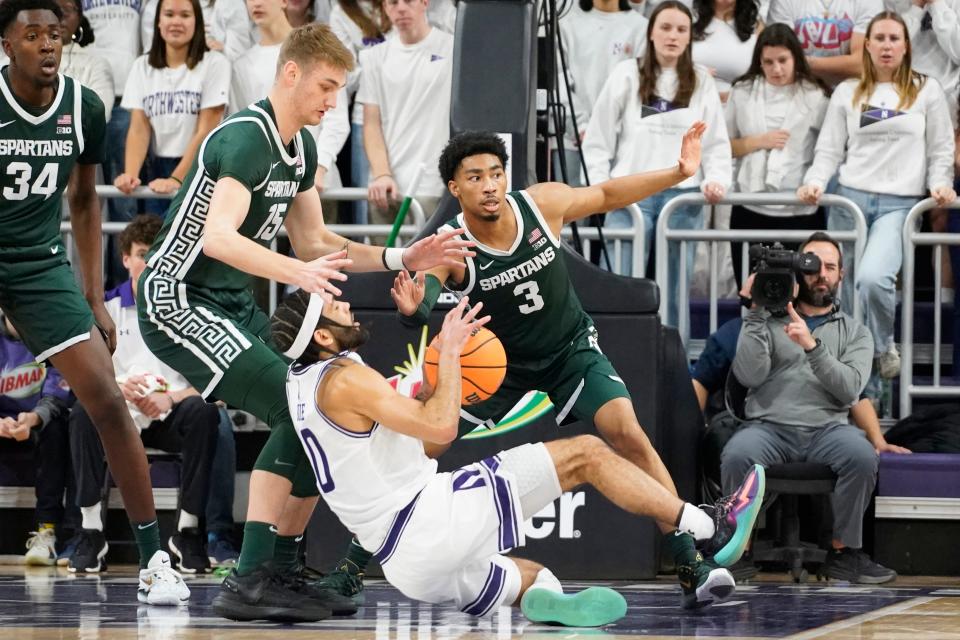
<point>550,340</point>
<point>196,313</point>
<point>38,150</point>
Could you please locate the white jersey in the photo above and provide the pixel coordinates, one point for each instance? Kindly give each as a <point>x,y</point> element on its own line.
<point>365,478</point>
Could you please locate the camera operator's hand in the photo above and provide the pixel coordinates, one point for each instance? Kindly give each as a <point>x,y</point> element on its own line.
<point>746,291</point>
<point>798,331</point>
<point>810,193</point>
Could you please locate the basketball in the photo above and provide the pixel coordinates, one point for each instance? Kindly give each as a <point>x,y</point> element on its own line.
<point>483,364</point>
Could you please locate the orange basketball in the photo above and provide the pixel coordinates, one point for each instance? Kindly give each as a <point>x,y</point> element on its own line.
<point>483,364</point>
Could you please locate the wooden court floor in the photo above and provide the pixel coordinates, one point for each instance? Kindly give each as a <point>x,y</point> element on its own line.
<point>41,604</point>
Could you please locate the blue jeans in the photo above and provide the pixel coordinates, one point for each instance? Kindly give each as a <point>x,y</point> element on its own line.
<point>876,276</point>
<point>359,171</point>
<point>120,209</point>
<point>687,217</point>
<point>222,474</point>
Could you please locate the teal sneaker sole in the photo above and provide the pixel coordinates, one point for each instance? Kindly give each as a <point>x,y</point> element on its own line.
<point>732,551</point>
<point>592,607</point>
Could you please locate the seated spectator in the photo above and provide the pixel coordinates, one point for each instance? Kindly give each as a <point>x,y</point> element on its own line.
<point>832,33</point>
<point>639,118</point>
<point>170,414</point>
<point>176,95</point>
<point>774,115</point>
<point>359,25</point>
<point>34,405</point>
<point>253,75</point>
<point>803,372</point>
<point>405,90</point>
<point>892,138</point>
<point>724,35</point>
<point>80,61</point>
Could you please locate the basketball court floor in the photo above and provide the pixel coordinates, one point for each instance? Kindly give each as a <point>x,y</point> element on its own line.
<point>49,603</point>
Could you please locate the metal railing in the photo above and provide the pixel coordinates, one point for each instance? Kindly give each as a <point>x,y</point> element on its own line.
<point>912,238</point>
<point>617,236</point>
<point>666,235</point>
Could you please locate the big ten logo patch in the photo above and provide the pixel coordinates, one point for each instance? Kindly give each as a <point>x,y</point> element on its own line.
<point>556,518</point>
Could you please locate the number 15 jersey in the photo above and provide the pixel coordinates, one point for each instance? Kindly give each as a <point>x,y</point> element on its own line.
<point>526,289</point>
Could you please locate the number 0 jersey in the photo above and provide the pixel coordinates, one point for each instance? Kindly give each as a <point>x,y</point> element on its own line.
<point>38,149</point>
<point>526,290</point>
<point>365,477</point>
<point>248,148</point>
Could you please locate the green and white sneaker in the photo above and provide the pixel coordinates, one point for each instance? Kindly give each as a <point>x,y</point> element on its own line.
<point>704,584</point>
<point>592,607</point>
<point>734,517</point>
<point>346,579</point>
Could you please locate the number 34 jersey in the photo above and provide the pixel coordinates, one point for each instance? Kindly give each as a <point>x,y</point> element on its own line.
<point>248,148</point>
<point>526,289</point>
<point>38,150</point>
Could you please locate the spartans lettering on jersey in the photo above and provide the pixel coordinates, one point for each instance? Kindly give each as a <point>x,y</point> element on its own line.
<point>281,189</point>
<point>36,148</point>
<point>520,271</point>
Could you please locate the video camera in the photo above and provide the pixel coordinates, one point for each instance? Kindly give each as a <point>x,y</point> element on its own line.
<point>777,270</point>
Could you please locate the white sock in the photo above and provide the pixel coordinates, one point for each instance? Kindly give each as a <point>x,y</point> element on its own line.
<point>187,521</point>
<point>546,580</point>
<point>91,517</point>
<point>696,522</point>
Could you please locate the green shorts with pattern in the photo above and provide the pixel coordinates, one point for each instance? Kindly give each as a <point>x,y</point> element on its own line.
<point>578,381</point>
<point>40,295</point>
<point>219,340</point>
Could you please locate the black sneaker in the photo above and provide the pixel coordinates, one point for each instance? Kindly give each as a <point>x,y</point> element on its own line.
<point>704,583</point>
<point>346,579</point>
<point>90,556</point>
<point>189,549</point>
<point>853,565</point>
<point>261,595</point>
<point>310,583</point>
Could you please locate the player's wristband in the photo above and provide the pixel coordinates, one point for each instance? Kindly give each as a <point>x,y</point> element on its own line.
<point>392,259</point>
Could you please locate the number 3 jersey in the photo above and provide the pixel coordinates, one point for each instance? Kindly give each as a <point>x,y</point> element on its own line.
<point>526,289</point>
<point>38,150</point>
<point>248,148</point>
<point>365,477</point>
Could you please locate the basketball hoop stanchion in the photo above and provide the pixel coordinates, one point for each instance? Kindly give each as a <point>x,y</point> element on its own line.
<point>405,206</point>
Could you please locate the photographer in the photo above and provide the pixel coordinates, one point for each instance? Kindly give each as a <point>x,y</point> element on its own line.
<point>804,370</point>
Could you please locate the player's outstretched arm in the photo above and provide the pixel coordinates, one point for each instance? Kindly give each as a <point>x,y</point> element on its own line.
<point>561,203</point>
<point>85,222</point>
<point>416,296</point>
<point>222,241</point>
<point>434,420</point>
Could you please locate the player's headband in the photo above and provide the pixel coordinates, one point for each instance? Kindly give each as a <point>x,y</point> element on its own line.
<point>305,334</point>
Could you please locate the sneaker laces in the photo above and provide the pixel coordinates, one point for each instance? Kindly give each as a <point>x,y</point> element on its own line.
<point>41,538</point>
<point>165,573</point>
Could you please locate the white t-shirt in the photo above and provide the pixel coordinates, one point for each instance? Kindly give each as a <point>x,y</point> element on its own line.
<point>173,98</point>
<point>885,150</point>
<point>825,27</point>
<point>626,136</point>
<point>411,84</point>
<point>594,42</point>
<point>353,39</point>
<point>116,26</point>
<point>724,52</point>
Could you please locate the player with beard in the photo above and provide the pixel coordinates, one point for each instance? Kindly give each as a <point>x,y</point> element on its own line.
<point>803,372</point>
<point>52,133</point>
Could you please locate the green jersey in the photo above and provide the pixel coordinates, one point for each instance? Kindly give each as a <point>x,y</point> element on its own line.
<point>526,290</point>
<point>38,149</point>
<point>246,147</point>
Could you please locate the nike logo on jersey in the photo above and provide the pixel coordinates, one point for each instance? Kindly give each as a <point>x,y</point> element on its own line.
<point>274,165</point>
<point>484,266</point>
<point>54,250</point>
<point>3,124</point>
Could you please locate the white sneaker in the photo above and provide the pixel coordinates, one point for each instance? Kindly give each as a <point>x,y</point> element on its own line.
<point>41,548</point>
<point>160,584</point>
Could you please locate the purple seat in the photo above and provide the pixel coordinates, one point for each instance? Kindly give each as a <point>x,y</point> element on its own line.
<point>919,475</point>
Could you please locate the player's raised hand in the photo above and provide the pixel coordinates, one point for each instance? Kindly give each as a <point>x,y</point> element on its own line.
<point>690,148</point>
<point>445,248</point>
<point>458,325</point>
<point>315,276</point>
<point>798,331</point>
<point>407,292</point>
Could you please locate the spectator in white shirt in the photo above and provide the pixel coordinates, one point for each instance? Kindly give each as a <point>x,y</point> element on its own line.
<point>774,115</point>
<point>405,90</point>
<point>176,95</point>
<point>892,138</point>
<point>232,32</point>
<point>724,35</point>
<point>639,119</point>
<point>80,61</point>
<point>831,32</point>
<point>359,24</point>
